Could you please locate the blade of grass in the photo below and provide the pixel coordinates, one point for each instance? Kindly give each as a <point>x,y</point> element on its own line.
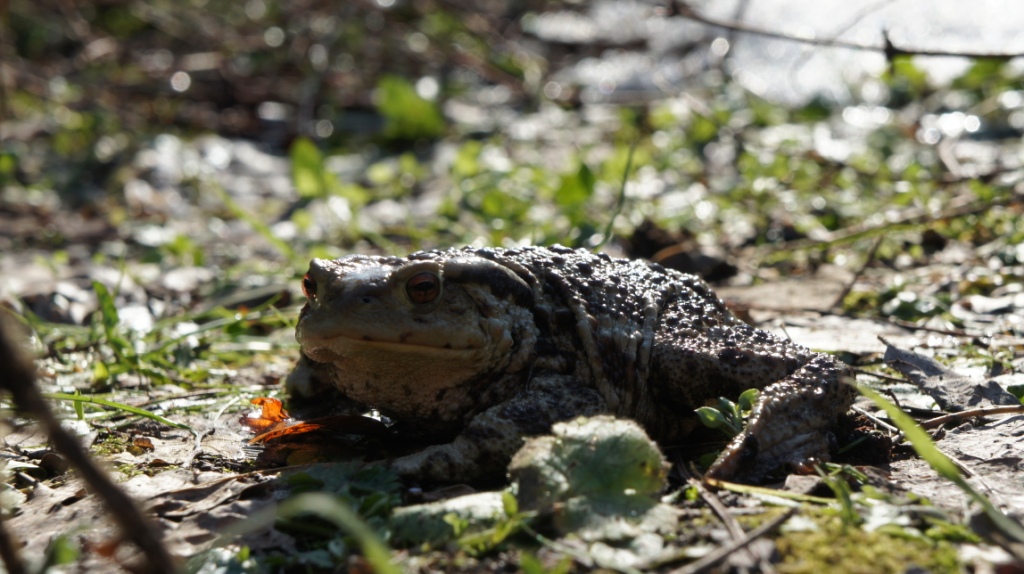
<point>261,228</point>
<point>331,508</point>
<point>942,464</point>
<point>621,201</point>
<point>110,320</point>
<point>220,325</point>
<point>327,507</point>
<point>79,408</point>
<point>115,405</point>
<point>770,495</point>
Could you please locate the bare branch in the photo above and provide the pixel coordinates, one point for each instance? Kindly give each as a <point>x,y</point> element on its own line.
<point>886,47</point>
<point>964,415</point>
<point>19,381</point>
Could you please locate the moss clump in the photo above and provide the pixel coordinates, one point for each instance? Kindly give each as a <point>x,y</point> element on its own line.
<point>833,548</point>
<point>110,445</point>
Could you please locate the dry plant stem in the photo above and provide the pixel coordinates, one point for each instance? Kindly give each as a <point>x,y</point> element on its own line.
<point>9,553</point>
<point>710,560</point>
<point>881,376</point>
<point>963,415</point>
<point>1001,338</point>
<point>860,271</point>
<point>622,195</point>
<point>886,48</point>
<point>6,48</point>
<point>911,217</point>
<point>877,421</point>
<point>915,327</point>
<point>735,530</point>
<point>20,382</point>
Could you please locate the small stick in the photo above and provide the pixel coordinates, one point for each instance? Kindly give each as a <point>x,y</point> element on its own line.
<point>887,48</point>
<point>860,271</point>
<point>962,415</point>
<point>21,384</point>
<point>711,559</point>
<point>739,537</point>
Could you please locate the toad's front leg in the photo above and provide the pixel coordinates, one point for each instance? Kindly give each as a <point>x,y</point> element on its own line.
<point>485,447</point>
<point>790,423</point>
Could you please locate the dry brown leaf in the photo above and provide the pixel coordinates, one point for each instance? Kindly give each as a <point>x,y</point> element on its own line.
<point>952,391</point>
<point>143,443</point>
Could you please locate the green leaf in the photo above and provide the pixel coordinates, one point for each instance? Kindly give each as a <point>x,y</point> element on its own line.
<point>844,495</point>
<point>711,417</point>
<point>598,457</point>
<point>79,409</point>
<point>576,188</point>
<point>530,564</point>
<point>467,159</point>
<point>307,169</point>
<point>1017,391</point>
<point>730,410</point>
<point>983,73</point>
<point>110,320</point>
<point>509,503</point>
<point>108,310</point>
<point>61,550</point>
<point>458,523</point>
<point>702,130</point>
<point>8,165</point>
<point>100,372</point>
<point>748,398</point>
<point>407,115</point>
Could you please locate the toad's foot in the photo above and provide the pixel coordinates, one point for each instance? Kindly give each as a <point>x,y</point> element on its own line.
<point>790,424</point>
<point>488,442</point>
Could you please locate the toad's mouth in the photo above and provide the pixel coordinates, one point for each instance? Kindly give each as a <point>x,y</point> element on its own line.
<point>337,347</point>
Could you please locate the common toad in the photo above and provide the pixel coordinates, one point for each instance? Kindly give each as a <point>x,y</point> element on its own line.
<point>478,348</point>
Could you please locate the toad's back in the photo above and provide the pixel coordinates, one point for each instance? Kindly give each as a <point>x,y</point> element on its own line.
<point>655,342</point>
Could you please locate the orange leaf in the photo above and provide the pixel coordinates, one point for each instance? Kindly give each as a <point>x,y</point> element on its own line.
<point>271,415</point>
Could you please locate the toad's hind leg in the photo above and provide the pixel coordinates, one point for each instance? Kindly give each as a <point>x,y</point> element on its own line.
<point>790,423</point>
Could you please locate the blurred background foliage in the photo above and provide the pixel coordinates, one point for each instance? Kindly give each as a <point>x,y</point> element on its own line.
<point>223,134</point>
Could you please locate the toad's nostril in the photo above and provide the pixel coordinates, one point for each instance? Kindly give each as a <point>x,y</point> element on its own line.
<point>309,287</point>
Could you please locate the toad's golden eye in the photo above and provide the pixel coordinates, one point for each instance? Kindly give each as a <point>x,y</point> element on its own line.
<point>423,287</point>
<point>309,287</point>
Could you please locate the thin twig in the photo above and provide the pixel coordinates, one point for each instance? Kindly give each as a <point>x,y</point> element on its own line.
<point>962,415</point>
<point>709,560</point>
<point>886,47</point>
<point>9,552</point>
<point>882,376</point>
<point>860,271</point>
<point>1003,338</point>
<point>879,422</point>
<point>20,382</point>
<point>910,218</point>
<point>731,524</point>
<point>621,201</point>
<point>6,52</point>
